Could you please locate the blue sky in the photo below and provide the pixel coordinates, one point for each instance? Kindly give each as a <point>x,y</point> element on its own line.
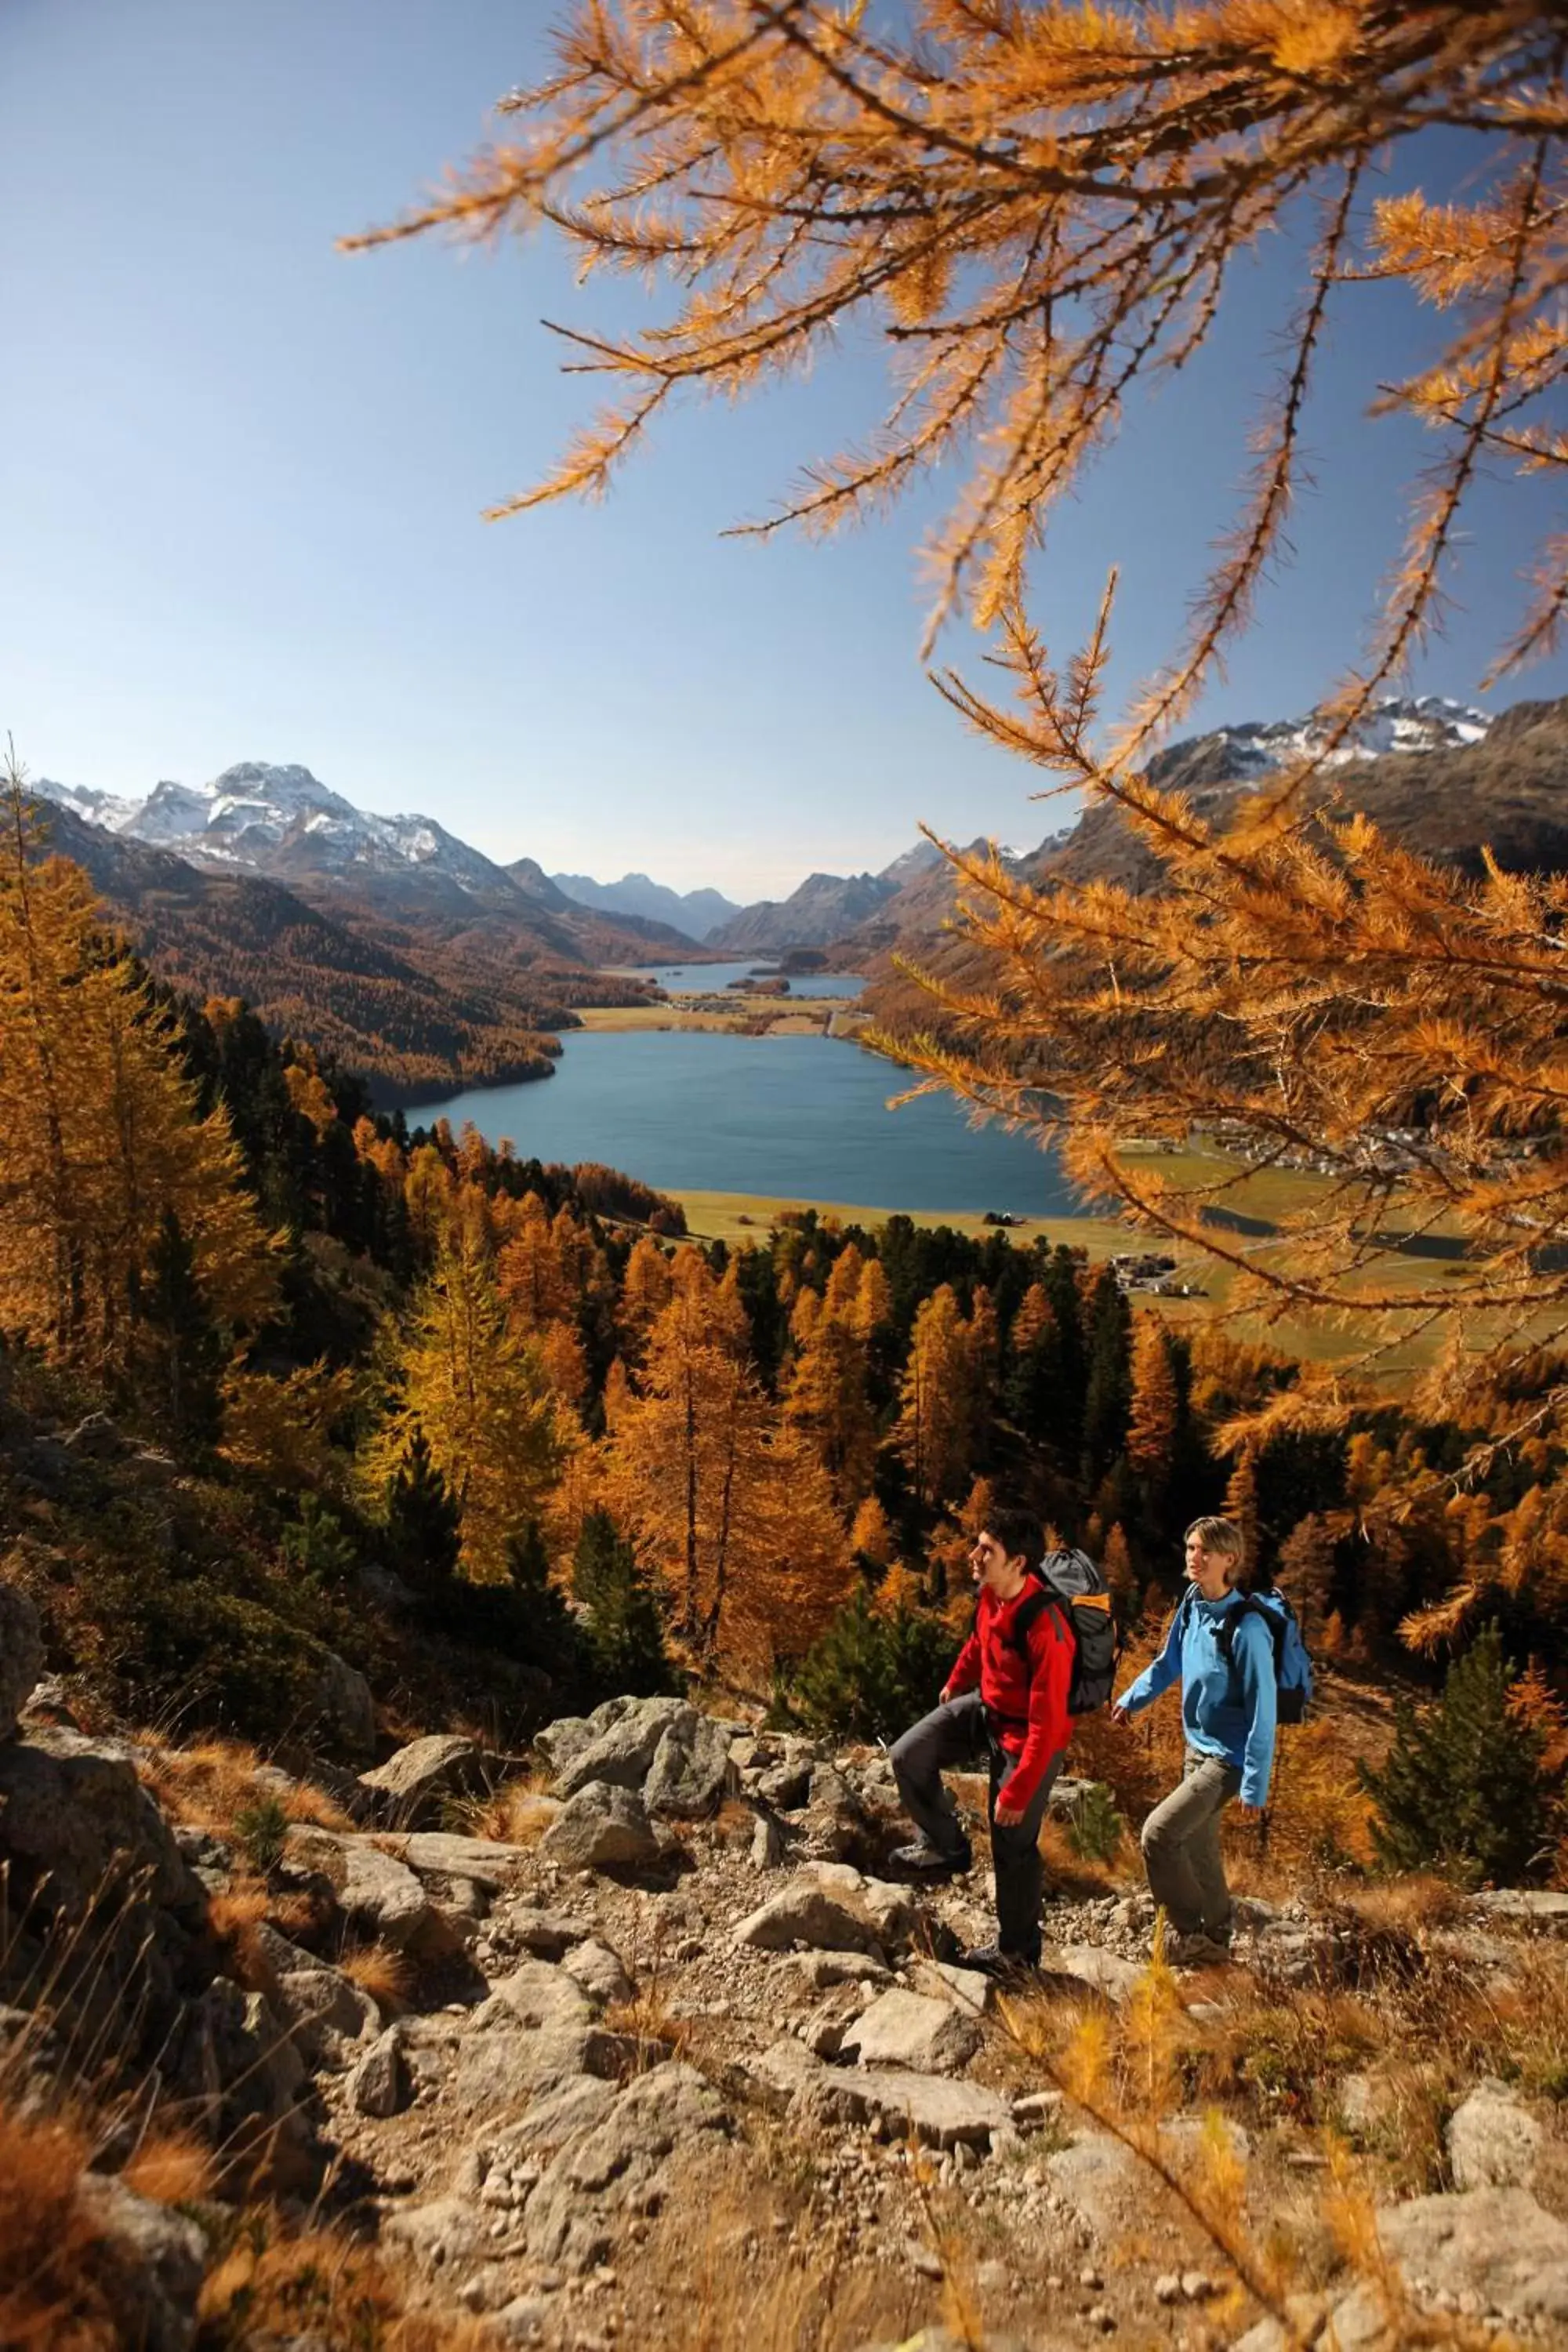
<point>242,477</point>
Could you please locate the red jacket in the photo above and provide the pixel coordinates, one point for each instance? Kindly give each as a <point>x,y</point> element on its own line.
<point>1029,1702</point>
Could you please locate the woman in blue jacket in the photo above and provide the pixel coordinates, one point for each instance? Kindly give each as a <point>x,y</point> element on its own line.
<point>1228,1693</point>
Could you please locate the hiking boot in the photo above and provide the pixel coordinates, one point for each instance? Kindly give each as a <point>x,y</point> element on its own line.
<point>1198,1951</point>
<point>991,1960</point>
<point>923,1860</point>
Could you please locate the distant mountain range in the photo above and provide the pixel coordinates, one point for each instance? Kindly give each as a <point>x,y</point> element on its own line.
<point>415,957</point>
<point>694,912</point>
<point>1445,780</point>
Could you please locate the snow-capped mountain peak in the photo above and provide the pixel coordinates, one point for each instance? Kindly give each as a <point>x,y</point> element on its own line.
<point>283,821</point>
<point>1395,723</point>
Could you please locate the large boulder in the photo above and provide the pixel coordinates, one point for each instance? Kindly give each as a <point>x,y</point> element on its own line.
<point>1499,2243</point>
<point>21,1654</point>
<point>623,1751</point>
<point>615,2171</point>
<point>803,1913</point>
<point>381,1896</point>
<point>1493,2139</point>
<point>908,2030</point>
<point>602,1827</point>
<point>340,1706</point>
<point>73,1811</point>
<point>157,2261</point>
<point>417,1779</point>
<point>690,1768</point>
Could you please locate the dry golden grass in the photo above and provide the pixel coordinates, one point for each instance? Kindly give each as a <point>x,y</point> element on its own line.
<point>55,2288</point>
<point>209,1784</point>
<point>233,1916</point>
<point>319,2285</point>
<point>745,2284</point>
<point>383,1972</point>
<point>171,2168</point>
<point>517,1813</point>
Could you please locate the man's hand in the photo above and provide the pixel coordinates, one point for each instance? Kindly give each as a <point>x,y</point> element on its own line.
<point>944,1696</point>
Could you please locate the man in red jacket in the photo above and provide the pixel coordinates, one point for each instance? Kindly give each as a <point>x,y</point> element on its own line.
<point>1007,1698</point>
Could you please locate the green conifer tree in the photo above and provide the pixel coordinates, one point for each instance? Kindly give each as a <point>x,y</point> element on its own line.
<point>870,1676</point>
<point>423,1520</point>
<point>1108,1390</point>
<point>180,1337</point>
<point>621,1628</point>
<point>1461,1790</point>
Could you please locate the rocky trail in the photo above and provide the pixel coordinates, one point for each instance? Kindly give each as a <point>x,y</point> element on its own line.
<point>678,2065</point>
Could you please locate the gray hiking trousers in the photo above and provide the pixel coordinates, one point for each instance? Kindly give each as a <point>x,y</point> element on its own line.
<point>1182,1849</point>
<point>954,1737</point>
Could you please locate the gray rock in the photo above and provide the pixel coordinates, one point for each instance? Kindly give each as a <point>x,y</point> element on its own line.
<point>616,2170</point>
<point>602,1827</point>
<point>73,1809</point>
<point>937,2111</point>
<point>1102,2181</point>
<point>381,1896</point>
<point>510,2068</point>
<point>21,1654</point>
<point>1533,1906</point>
<point>767,1844</point>
<point>159,2259</point>
<point>820,1970</point>
<point>599,1971</point>
<point>1498,2242</point>
<point>836,1825</point>
<point>1366,2099</point>
<point>321,2009</point>
<point>542,1998</point>
<point>420,1775</point>
<point>49,1701</point>
<point>622,1752</point>
<point>968,1989</point>
<point>1356,2320</point>
<point>434,1853</point>
<point>802,1913</point>
<point>546,1933</point>
<point>1087,1964</point>
<point>439,2235</point>
<point>341,1706</point>
<point>784,1786</point>
<point>1493,2139</point>
<point>906,2030</point>
<point>579,2107</point>
<point>691,1768</point>
<point>560,1742</point>
<point>379,2084</point>
<point>888,1910</point>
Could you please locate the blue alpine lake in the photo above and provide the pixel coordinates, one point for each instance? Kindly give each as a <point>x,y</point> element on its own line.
<point>714,979</point>
<point>797,1118</point>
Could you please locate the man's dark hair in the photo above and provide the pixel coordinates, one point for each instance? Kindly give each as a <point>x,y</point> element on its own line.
<point>1018,1532</point>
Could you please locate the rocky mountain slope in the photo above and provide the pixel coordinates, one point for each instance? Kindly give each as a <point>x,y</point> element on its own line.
<point>668,2059</point>
<point>1439,776</point>
<point>422,985</point>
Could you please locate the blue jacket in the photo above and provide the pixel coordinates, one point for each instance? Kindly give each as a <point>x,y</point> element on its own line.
<point>1213,1722</point>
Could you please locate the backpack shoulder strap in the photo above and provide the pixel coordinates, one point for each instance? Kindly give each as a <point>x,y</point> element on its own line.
<point>1027,1614</point>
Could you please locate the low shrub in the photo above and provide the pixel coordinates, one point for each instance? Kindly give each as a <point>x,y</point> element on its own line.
<point>870,1676</point>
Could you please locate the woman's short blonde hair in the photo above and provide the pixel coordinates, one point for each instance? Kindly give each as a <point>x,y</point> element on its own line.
<point>1222,1536</point>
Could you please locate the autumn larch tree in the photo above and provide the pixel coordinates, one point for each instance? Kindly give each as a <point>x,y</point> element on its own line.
<point>1040,208</point>
<point>482,1400</point>
<point>736,1517</point>
<point>100,1143</point>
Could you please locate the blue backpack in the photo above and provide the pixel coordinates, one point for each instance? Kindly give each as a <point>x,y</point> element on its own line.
<point>1293,1665</point>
